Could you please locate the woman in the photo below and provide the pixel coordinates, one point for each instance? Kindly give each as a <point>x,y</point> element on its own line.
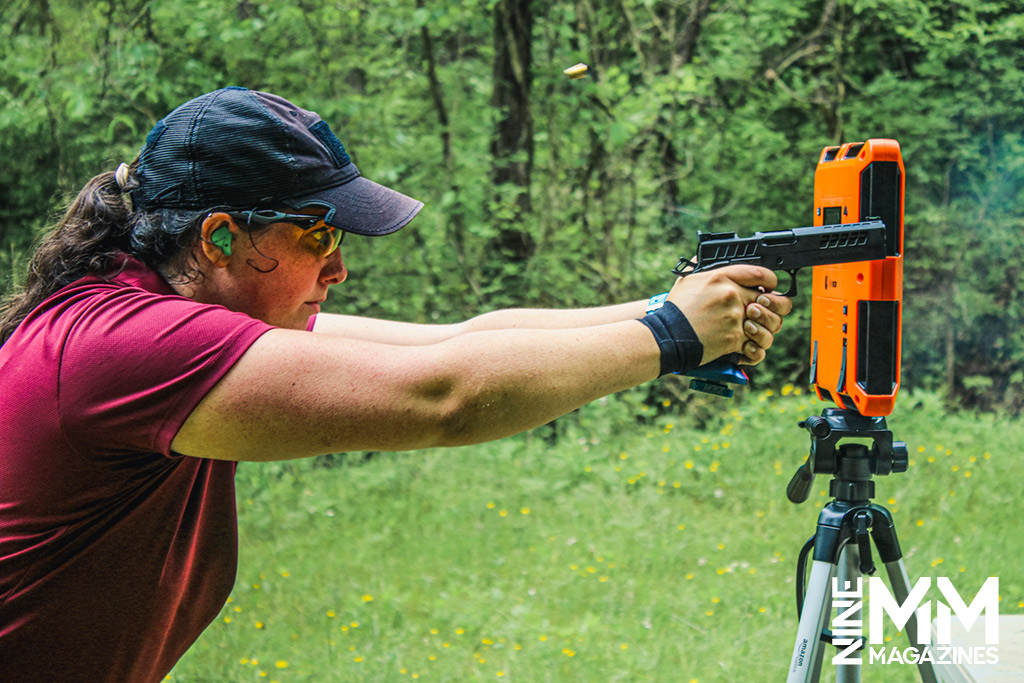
<point>170,326</point>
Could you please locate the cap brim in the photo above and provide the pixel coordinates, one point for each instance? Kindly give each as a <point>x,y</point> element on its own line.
<point>363,207</point>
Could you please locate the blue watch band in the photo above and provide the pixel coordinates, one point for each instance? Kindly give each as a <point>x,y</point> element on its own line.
<point>656,302</point>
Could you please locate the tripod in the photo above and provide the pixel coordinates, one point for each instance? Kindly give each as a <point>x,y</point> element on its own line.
<point>841,543</point>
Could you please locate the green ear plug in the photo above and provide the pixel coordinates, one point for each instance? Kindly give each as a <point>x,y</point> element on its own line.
<point>221,238</point>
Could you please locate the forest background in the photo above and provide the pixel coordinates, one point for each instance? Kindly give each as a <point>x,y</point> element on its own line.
<point>541,191</point>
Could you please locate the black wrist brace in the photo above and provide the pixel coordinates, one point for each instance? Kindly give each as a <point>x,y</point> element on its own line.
<point>681,350</point>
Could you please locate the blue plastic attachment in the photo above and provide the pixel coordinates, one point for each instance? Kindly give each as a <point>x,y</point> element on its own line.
<point>713,377</point>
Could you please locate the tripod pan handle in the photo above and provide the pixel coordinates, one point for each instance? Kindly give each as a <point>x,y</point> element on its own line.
<point>800,485</point>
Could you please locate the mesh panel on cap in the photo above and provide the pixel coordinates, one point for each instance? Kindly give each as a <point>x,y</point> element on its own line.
<point>245,154</point>
<point>165,156</point>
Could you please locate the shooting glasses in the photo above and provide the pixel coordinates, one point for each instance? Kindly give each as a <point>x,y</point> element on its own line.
<point>321,238</point>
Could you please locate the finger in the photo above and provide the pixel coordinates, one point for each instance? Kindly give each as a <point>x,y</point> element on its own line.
<point>758,334</point>
<point>752,276</point>
<point>752,354</point>
<point>777,303</point>
<point>765,316</point>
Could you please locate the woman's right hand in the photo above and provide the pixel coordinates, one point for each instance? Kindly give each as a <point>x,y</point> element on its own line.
<point>732,310</point>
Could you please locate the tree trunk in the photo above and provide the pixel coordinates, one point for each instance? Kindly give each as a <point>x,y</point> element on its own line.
<point>683,48</point>
<point>512,144</point>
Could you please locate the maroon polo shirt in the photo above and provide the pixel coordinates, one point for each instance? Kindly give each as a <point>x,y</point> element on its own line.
<point>115,552</point>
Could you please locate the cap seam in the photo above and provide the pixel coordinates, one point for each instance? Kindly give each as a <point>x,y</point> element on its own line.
<point>328,186</point>
<point>285,138</point>
<point>193,167</point>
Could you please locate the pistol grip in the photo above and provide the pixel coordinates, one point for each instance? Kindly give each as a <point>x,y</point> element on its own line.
<point>713,377</point>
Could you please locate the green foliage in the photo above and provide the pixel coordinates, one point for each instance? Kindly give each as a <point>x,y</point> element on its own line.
<point>695,116</point>
<point>636,547</point>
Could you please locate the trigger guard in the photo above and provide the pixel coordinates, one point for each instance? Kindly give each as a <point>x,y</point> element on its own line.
<point>791,292</point>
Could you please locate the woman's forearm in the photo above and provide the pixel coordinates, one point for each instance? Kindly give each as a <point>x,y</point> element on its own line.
<point>414,334</point>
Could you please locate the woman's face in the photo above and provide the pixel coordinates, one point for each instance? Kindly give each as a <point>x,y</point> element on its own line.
<point>273,275</point>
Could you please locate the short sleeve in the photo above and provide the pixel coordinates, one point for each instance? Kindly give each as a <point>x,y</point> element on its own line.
<point>135,364</point>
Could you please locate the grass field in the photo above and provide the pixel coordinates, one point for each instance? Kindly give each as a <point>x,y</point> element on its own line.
<point>635,546</point>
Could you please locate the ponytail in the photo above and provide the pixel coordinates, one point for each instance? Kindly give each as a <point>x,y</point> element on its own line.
<point>97,229</point>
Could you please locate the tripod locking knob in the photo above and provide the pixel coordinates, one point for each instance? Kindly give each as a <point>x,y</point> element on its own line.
<point>864,520</point>
<point>817,426</point>
<point>900,457</point>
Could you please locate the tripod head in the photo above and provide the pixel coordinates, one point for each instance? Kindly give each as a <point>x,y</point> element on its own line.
<point>851,464</point>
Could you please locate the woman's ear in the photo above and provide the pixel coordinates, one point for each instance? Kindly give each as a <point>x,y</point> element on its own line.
<point>218,234</point>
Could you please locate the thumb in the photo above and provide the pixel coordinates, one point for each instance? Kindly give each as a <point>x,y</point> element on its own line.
<point>751,276</point>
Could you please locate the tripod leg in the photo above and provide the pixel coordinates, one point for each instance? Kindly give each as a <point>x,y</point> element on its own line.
<point>805,666</point>
<point>900,582</point>
<point>849,572</point>
<point>883,532</point>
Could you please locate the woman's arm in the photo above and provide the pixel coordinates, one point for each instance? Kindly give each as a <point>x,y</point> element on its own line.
<point>295,394</point>
<point>764,314</point>
<point>414,334</point>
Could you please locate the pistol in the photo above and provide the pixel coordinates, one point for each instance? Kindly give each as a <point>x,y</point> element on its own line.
<point>789,250</point>
<point>785,250</point>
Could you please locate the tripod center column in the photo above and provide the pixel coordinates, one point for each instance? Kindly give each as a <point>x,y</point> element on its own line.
<point>852,482</point>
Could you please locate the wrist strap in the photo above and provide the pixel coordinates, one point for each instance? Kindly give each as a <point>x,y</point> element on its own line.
<point>681,350</point>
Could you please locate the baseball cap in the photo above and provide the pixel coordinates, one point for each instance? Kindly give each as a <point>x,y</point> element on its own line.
<point>244,149</point>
